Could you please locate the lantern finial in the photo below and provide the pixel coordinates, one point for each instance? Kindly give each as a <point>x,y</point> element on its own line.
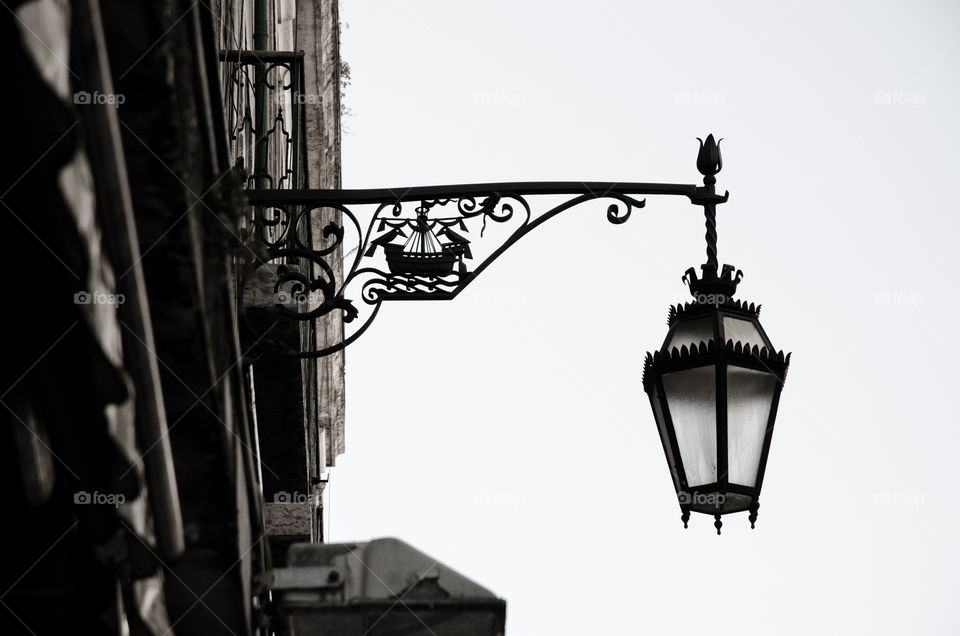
<point>709,160</point>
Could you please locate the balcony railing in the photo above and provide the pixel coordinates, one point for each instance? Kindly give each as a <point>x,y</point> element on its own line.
<point>264,99</point>
<point>266,122</point>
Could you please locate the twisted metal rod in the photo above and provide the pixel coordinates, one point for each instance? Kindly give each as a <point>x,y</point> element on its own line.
<point>710,212</point>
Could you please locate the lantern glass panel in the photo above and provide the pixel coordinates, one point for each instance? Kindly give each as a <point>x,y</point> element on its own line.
<point>662,427</point>
<point>740,330</point>
<point>692,399</point>
<point>749,396</point>
<point>692,333</point>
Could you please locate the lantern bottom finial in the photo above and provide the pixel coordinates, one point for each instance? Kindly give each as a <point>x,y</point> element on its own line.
<point>685,517</point>
<point>753,514</point>
<point>717,524</point>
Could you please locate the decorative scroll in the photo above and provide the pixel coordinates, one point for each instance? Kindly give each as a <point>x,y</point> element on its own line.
<point>407,247</point>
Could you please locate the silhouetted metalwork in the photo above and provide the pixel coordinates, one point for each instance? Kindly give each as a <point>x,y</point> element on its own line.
<point>715,383</point>
<point>430,250</point>
<point>709,163</point>
<point>714,387</point>
<point>429,243</point>
<point>264,99</point>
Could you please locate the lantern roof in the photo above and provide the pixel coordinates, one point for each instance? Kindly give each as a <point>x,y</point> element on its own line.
<point>707,352</point>
<point>678,311</point>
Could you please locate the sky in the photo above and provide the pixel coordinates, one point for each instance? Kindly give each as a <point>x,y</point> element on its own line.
<point>506,433</point>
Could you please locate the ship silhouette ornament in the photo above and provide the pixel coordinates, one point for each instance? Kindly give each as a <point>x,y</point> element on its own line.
<point>427,250</point>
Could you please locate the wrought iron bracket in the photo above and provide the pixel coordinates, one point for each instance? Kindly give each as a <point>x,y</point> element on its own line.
<point>400,251</point>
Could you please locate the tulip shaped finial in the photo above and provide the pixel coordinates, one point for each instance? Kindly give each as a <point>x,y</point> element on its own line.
<point>709,160</point>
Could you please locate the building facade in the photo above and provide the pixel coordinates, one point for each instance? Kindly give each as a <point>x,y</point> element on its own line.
<point>166,440</point>
<point>161,449</point>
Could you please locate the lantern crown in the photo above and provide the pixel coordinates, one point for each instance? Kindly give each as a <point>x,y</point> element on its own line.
<point>713,283</point>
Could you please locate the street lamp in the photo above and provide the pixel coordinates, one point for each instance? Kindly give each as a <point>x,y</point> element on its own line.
<point>714,385</point>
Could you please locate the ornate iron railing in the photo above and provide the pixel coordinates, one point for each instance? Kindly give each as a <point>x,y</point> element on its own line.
<point>265,117</point>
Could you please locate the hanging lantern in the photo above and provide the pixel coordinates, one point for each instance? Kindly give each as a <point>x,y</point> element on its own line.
<point>714,387</point>
<point>715,384</point>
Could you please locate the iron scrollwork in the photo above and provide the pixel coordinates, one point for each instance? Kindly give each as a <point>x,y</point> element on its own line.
<point>425,243</point>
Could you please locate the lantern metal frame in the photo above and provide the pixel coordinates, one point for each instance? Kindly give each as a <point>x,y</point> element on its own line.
<point>720,497</point>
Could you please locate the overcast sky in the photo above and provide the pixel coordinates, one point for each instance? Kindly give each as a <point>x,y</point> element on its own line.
<point>506,433</point>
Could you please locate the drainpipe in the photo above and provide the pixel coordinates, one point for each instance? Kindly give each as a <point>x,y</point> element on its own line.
<point>260,43</point>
